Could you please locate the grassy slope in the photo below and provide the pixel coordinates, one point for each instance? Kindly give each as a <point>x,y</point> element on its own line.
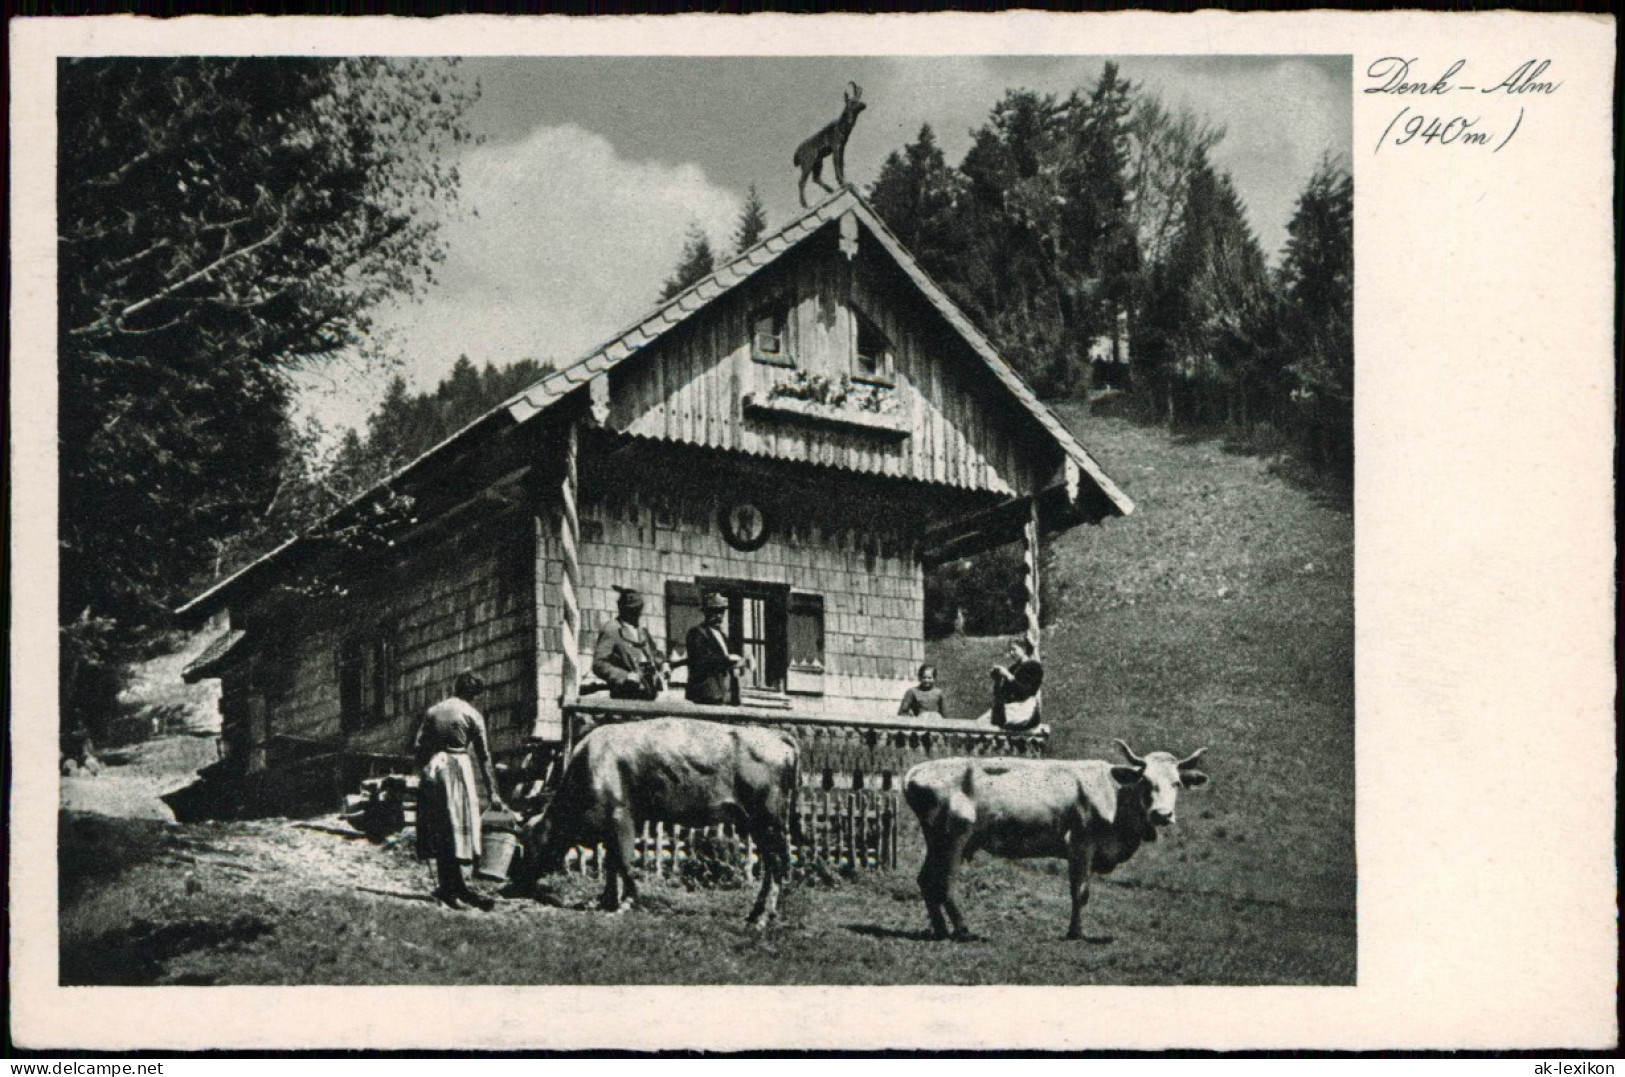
<point>1219,614</point>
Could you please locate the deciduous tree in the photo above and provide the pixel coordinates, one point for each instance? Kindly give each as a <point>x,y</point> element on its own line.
<point>222,222</point>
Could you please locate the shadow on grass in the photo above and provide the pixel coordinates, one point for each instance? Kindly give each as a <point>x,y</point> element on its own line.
<point>135,956</point>
<point>1327,486</point>
<point>875,931</point>
<point>95,850</point>
<point>403,895</point>
<point>336,831</point>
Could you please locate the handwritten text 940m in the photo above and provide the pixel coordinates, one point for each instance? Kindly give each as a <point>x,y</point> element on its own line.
<point>1420,129</point>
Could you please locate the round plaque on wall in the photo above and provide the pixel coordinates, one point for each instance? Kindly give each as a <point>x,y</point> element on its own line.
<point>745,525</point>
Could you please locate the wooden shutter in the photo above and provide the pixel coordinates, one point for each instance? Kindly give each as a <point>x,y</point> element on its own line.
<point>682,614</point>
<point>352,695</point>
<point>778,642</point>
<point>806,644</point>
<point>383,677</point>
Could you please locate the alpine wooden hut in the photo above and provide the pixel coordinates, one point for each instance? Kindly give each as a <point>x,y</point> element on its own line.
<point>805,431</point>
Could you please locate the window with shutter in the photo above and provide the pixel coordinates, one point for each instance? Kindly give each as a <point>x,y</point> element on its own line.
<point>806,632</point>
<point>757,627</point>
<point>770,338</point>
<point>873,354</point>
<point>366,674</point>
<point>781,633</point>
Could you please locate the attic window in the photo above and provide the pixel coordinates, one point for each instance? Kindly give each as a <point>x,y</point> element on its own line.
<point>770,337</point>
<point>872,359</point>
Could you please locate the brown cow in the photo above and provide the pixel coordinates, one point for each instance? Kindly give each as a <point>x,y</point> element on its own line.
<point>671,770</point>
<point>1026,808</point>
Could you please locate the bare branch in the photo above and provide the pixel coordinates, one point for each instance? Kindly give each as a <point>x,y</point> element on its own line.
<point>115,321</point>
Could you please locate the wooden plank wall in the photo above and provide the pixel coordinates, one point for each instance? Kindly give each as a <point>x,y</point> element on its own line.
<point>689,386</point>
<point>462,603</point>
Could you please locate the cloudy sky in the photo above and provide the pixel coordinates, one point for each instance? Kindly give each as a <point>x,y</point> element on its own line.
<point>592,169</point>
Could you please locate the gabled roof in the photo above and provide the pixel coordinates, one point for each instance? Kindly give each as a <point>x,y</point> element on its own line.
<point>554,386</point>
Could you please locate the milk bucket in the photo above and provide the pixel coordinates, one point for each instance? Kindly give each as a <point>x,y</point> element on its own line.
<point>498,844</point>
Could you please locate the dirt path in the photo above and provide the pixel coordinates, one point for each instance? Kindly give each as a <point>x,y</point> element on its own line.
<point>132,780</point>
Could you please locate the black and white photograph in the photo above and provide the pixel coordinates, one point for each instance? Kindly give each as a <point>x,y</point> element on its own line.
<point>583,500</point>
<point>863,519</point>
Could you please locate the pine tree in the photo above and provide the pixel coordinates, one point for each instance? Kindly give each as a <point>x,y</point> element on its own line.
<point>1317,287</point>
<point>1012,240</point>
<point>752,222</point>
<point>917,195</point>
<point>1100,245</point>
<point>1049,251</point>
<point>697,263</point>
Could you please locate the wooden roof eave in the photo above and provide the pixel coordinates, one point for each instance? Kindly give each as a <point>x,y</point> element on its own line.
<point>219,657</point>
<point>1058,510</point>
<point>221,593</point>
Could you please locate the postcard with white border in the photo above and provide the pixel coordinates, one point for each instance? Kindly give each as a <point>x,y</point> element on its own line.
<point>970,532</point>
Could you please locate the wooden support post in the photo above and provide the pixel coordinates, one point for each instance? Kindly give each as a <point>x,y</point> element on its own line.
<point>1030,581</point>
<point>539,618</point>
<point>1030,554</point>
<point>569,589</point>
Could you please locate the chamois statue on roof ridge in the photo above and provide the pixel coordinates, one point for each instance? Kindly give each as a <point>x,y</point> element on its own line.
<point>829,142</point>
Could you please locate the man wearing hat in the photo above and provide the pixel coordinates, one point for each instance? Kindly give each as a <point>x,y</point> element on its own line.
<point>625,657</point>
<point>713,673</point>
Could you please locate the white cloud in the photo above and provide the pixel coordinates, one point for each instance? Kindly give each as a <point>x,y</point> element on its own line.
<point>567,244</point>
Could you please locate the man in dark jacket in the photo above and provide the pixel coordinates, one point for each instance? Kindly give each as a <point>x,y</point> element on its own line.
<point>626,658</point>
<point>713,673</point>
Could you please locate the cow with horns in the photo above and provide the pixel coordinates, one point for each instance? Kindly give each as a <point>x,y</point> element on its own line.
<point>1089,812</point>
<point>671,770</point>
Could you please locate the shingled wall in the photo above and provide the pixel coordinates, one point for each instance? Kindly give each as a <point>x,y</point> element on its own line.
<point>868,574</point>
<point>458,604</point>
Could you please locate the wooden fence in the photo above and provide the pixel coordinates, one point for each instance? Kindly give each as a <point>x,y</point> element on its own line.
<point>849,805</point>
<point>844,829</point>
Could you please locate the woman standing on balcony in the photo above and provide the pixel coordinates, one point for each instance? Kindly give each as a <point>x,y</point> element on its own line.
<point>925,697</point>
<point>1015,688</point>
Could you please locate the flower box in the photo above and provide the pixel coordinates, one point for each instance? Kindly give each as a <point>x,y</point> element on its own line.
<point>877,423</point>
